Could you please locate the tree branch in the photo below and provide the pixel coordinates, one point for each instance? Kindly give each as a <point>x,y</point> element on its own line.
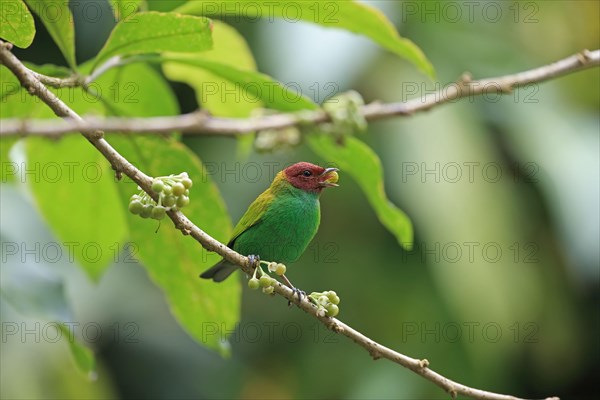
<point>31,82</point>
<point>200,123</point>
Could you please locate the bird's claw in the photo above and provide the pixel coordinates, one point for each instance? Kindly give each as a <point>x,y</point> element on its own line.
<point>254,260</point>
<point>297,292</point>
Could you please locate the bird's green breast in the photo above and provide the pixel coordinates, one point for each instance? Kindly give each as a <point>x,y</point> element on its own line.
<point>285,229</point>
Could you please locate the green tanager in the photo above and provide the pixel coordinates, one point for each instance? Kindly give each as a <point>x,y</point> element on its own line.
<point>281,222</point>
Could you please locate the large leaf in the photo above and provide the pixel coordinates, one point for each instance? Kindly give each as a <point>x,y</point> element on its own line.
<point>205,310</point>
<point>215,93</point>
<point>82,355</point>
<point>58,20</point>
<point>15,103</point>
<point>352,16</point>
<point>124,8</point>
<point>254,87</point>
<point>361,163</point>
<point>16,23</point>
<point>73,186</point>
<point>155,32</point>
<point>174,261</point>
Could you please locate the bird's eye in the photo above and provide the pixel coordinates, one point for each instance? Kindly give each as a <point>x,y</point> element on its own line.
<point>306,173</point>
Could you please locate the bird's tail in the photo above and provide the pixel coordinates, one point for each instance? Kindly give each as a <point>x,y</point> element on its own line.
<point>220,271</point>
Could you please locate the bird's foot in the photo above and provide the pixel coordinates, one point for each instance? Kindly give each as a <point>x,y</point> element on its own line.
<point>296,291</point>
<point>300,293</point>
<point>254,260</point>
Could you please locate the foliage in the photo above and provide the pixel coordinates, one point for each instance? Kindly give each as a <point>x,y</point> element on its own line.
<point>199,52</point>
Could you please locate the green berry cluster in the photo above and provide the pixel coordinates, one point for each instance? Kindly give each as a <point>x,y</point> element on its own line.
<point>326,302</point>
<point>346,118</point>
<point>173,193</point>
<point>264,281</point>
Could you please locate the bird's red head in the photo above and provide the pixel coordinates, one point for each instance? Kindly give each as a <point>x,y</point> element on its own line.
<point>310,177</point>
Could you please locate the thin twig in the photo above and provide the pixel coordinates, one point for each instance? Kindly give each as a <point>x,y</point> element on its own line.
<point>31,83</point>
<point>203,124</point>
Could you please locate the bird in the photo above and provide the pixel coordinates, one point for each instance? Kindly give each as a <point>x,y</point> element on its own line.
<point>279,225</point>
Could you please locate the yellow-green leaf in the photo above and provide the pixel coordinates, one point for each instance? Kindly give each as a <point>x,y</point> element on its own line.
<point>124,8</point>
<point>360,162</point>
<point>73,187</point>
<point>154,32</point>
<point>16,23</point>
<point>83,356</point>
<point>349,15</point>
<point>58,20</point>
<point>216,94</point>
<point>174,261</point>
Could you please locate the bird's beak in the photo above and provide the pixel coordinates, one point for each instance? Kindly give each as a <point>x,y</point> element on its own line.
<point>329,177</point>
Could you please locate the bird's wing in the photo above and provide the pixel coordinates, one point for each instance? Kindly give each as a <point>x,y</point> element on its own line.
<point>253,215</point>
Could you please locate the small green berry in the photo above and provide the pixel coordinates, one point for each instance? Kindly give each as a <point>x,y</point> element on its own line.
<point>333,297</point>
<point>169,201</point>
<point>136,207</point>
<point>146,211</point>
<point>253,283</point>
<point>157,186</point>
<point>167,190</point>
<point>182,201</point>
<point>187,182</point>
<point>332,310</point>
<point>178,189</point>
<point>323,300</point>
<point>266,281</point>
<point>159,212</point>
<point>268,290</point>
<point>280,269</point>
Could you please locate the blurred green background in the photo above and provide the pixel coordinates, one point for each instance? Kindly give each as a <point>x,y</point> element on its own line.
<point>500,292</point>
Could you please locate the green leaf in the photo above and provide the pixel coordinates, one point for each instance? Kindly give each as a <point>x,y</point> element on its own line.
<point>16,102</point>
<point>352,16</point>
<point>205,310</point>
<point>124,8</point>
<point>58,20</point>
<point>174,261</point>
<point>216,94</point>
<point>9,84</point>
<point>253,86</point>
<point>71,181</point>
<point>136,90</point>
<point>155,32</point>
<point>361,163</point>
<point>16,23</point>
<point>82,355</point>
<point>73,187</point>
